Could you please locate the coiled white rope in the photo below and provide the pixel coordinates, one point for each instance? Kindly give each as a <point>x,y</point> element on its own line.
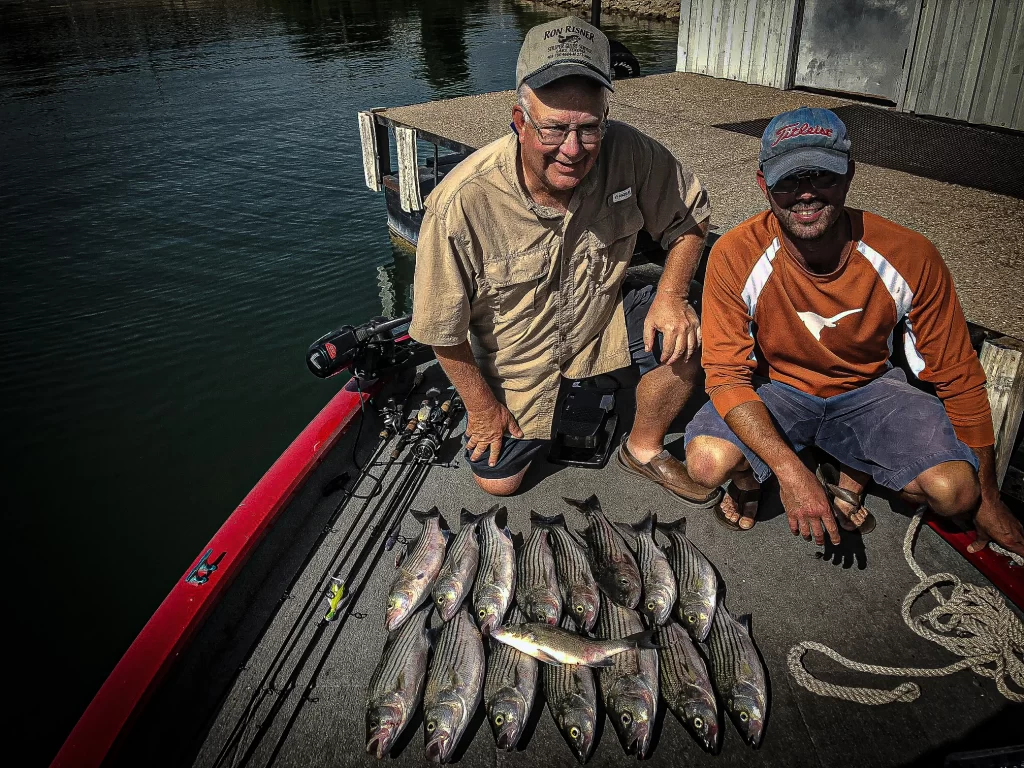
<point>973,622</point>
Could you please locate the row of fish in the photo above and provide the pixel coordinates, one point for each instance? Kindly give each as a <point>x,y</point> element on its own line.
<point>556,576</point>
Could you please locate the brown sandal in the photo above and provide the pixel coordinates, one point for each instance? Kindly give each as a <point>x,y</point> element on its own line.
<point>828,476</point>
<point>741,497</point>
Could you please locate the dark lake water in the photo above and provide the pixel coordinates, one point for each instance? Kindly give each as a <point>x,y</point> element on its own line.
<point>182,210</point>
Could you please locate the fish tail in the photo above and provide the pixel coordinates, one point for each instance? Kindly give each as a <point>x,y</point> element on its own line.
<point>422,517</point>
<point>468,518</point>
<point>646,525</point>
<point>547,522</point>
<point>678,526</point>
<point>643,639</point>
<point>588,506</point>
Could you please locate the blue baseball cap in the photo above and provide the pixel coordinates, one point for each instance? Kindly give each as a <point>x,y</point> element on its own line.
<point>805,139</point>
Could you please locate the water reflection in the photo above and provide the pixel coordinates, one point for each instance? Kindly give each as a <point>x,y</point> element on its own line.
<point>395,280</point>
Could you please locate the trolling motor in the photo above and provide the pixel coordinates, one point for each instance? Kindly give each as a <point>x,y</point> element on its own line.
<point>369,351</point>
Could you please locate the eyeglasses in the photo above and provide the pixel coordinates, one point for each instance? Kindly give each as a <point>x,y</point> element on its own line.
<point>819,180</point>
<point>555,135</point>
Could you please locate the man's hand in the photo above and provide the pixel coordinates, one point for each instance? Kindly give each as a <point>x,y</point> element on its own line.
<point>808,508</point>
<point>486,428</point>
<point>679,325</point>
<point>995,522</point>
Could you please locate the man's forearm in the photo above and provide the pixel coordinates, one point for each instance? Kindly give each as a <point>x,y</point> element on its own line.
<point>464,374</point>
<point>682,260</point>
<point>753,425</point>
<point>987,472</point>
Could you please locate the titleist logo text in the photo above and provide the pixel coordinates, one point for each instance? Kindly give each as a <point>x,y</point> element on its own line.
<point>793,130</point>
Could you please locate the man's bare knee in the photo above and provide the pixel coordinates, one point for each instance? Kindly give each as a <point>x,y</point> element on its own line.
<point>503,486</point>
<point>711,460</point>
<point>687,370</point>
<point>950,488</point>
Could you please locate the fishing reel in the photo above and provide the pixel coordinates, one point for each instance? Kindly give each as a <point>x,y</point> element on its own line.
<point>369,351</point>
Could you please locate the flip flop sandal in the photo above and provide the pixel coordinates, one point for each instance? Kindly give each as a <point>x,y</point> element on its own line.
<point>741,497</point>
<point>828,476</point>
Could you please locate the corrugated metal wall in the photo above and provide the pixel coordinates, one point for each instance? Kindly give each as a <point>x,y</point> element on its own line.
<point>969,62</point>
<point>748,40</point>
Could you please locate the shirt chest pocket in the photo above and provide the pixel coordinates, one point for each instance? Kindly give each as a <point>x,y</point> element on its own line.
<point>610,246</point>
<point>515,281</point>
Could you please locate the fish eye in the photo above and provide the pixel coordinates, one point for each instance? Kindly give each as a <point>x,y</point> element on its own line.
<point>626,719</point>
<point>692,618</point>
<point>574,732</point>
<point>499,720</point>
<point>744,717</point>
<point>623,581</point>
<point>698,723</point>
<point>579,609</point>
<point>431,726</point>
<point>482,613</point>
<point>650,605</point>
<point>440,601</point>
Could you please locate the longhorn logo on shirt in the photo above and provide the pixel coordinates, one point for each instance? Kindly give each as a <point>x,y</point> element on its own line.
<point>816,323</point>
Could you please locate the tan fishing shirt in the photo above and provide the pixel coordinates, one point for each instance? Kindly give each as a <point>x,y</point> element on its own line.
<point>536,291</point>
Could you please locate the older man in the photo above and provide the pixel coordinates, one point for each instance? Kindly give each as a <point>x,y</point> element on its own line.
<point>801,304</point>
<point>522,257</point>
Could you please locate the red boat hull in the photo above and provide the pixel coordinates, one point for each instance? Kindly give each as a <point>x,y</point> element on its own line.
<point>139,672</point>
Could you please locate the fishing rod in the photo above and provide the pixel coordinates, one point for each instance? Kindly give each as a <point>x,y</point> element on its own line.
<point>411,485</point>
<point>443,428</point>
<point>339,609</point>
<point>425,440</point>
<point>392,425</point>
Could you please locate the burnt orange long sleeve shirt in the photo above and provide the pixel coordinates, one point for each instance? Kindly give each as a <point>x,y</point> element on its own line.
<point>764,313</point>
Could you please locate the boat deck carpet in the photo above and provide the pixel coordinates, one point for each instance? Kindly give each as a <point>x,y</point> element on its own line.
<point>847,598</point>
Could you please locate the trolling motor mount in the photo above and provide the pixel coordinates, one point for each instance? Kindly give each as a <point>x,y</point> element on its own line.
<point>369,351</point>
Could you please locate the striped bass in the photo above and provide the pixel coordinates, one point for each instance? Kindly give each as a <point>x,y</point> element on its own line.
<point>397,683</point>
<point>659,582</point>
<point>509,690</point>
<point>685,685</point>
<point>496,575</point>
<point>454,686</point>
<point>698,584</point>
<point>630,685</point>
<point>580,594</point>
<point>416,575</point>
<point>610,559</point>
<point>456,576</point>
<point>572,700</point>
<point>537,581</point>
<point>738,675</point>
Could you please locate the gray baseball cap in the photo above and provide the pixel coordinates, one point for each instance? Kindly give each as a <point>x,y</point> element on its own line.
<point>562,48</point>
<point>804,139</point>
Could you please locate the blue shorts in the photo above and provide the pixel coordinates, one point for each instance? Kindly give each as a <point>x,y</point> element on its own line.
<point>887,428</point>
<point>517,454</point>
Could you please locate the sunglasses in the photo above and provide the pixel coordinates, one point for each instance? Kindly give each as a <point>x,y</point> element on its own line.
<point>820,180</point>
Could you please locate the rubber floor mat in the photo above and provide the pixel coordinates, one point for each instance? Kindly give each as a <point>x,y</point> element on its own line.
<point>952,152</point>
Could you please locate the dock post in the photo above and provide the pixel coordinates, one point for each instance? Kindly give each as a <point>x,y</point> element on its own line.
<point>376,154</point>
<point>1003,361</point>
<point>408,170</point>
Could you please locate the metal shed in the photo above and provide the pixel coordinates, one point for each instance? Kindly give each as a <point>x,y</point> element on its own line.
<point>959,59</point>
